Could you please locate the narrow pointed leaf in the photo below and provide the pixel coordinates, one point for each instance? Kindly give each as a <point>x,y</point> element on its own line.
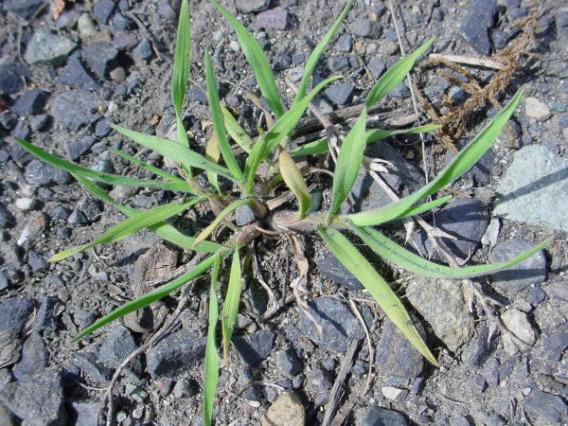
<point>205,233</point>
<point>465,159</point>
<point>181,70</point>
<point>314,57</point>
<point>213,153</point>
<point>174,151</point>
<point>394,75</point>
<point>211,356</point>
<point>235,131</point>
<point>348,163</point>
<point>218,125</point>
<point>99,176</point>
<point>421,208</point>
<point>157,171</point>
<point>231,304</point>
<point>293,178</point>
<point>149,298</point>
<point>389,302</point>
<point>394,253</point>
<point>257,61</point>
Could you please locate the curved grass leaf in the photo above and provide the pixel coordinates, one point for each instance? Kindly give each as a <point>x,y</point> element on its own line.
<point>218,125</point>
<point>389,302</point>
<point>149,298</point>
<point>293,178</point>
<point>157,171</point>
<point>211,355</point>
<point>205,233</point>
<point>314,57</point>
<point>231,303</point>
<point>213,153</point>
<point>465,159</point>
<point>130,226</point>
<point>100,176</point>
<point>349,162</point>
<point>181,71</point>
<point>394,75</point>
<point>235,131</point>
<point>394,253</point>
<point>173,151</point>
<point>257,61</point>
<point>421,208</point>
<point>163,230</point>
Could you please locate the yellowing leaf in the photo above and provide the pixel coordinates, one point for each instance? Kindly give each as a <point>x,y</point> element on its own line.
<point>293,178</point>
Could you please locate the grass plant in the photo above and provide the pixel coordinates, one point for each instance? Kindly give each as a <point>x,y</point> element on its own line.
<point>233,160</point>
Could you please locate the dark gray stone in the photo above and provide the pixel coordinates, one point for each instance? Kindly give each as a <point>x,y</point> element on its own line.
<point>536,295</point>
<point>340,93</point>
<point>8,120</point>
<point>91,367</point>
<point>377,66</point>
<point>362,27</point>
<point>7,219</point>
<point>544,408</point>
<point>100,57</point>
<point>475,27</point>
<point>31,102</point>
<point>76,75</point>
<point>75,109</point>
<point>338,63</point>
<point>38,399</point>
<point>4,282</point>
<point>125,40</point>
<point>36,261</point>
<point>21,131</point>
<point>555,344</point>
<point>46,47</point>
<point>77,148</point>
<point>14,314</point>
<point>46,317</point>
<point>34,357</point>
<point>103,10</point>
<point>40,123</point>
<point>39,173</point>
<point>84,413</point>
<point>118,344</point>
<point>338,324</point>
<point>12,77</point>
<point>256,347</point>
<point>282,61</point>
<point>250,6</point>
<point>522,275</point>
<point>273,19</point>
<point>195,94</point>
<point>344,43</point>
<point>122,23</point>
<point>89,207</point>
<point>380,417</point>
<point>289,362</point>
<point>144,50</point>
<point>331,268</point>
<point>318,381</point>
<point>25,9</point>
<point>244,215</point>
<point>103,128</point>
<point>396,357</point>
<point>176,352</point>
<point>561,19</point>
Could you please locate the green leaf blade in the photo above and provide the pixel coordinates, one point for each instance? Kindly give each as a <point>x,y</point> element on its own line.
<point>293,178</point>
<point>231,303</point>
<point>181,71</point>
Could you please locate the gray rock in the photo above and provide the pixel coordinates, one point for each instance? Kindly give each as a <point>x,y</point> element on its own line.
<point>289,362</point>
<point>7,219</point>
<point>31,102</point>
<point>38,173</point>
<point>76,75</point>
<point>176,352</point>
<point>88,362</point>
<point>544,408</point>
<point>40,122</point>
<point>103,10</point>
<point>331,268</point>
<point>6,417</point>
<point>77,148</point>
<point>522,275</point>
<point>49,48</point>
<point>396,358</point>
<point>34,358</point>
<point>75,109</point>
<point>475,27</point>
<point>84,413</point>
<point>46,317</point>
<point>4,281</point>
<point>14,314</point>
<point>256,347</point>
<point>377,66</point>
<point>144,50</point>
<point>249,6</point>
<point>100,57</point>
<point>490,372</point>
<point>273,19</point>
<point>36,261</point>
<point>536,295</point>
<point>244,215</point>
<point>89,208</point>
<point>103,128</point>
<point>25,9</point>
<point>12,77</point>
<point>338,63</point>
<point>338,324</point>
<point>344,43</point>
<point>340,93</point>
<point>86,26</point>
<point>521,336</point>
<point>536,109</point>
<point>318,381</point>
<point>118,344</point>
<point>282,61</point>
<point>122,23</point>
<point>37,400</point>
<point>362,27</point>
<point>380,417</point>
<point>555,344</point>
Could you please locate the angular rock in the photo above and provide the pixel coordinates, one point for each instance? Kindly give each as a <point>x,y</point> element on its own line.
<point>31,102</point>
<point>12,77</point>
<point>100,57</point>
<point>522,336</point>
<point>75,109</point>
<point>442,305</point>
<point>338,324</point>
<point>394,394</point>
<point>544,408</point>
<point>90,366</point>
<point>289,362</point>
<point>38,399</point>
<point>118,344</point>
<point>36,261</point>
<point>256,347</point>
<point>340,93</point>
<point>7,219</point>
<point>522,275</point>
<point>379,417</point>
<point>14,314</point>
<point>76,75</point>
<point>475,27</point>
<point>287,410</point>
<point>25,9</point>
<point>144,50</point>
<point>46,47</point>
<point>46,317</point>
<point>77,148</point>
<point>250,6</point>
<point>537,109</point>
<point>377,66</point>
<point>362,27</point>
<point>535,178</point>
<point>176,352</point>
<point>84,413</point>
<point>34,358</point>
<point>86,26</point>
<point>273,19</point>
<point>344,43</point>
<point>103,10</point>
<point>38,173</point>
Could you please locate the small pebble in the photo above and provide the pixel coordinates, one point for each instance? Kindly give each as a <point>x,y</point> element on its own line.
<point>535,108</point>
<point>394,394</point>
<point>86,26</point>
<point>25,204</point>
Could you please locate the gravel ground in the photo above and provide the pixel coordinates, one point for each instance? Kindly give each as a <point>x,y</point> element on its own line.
<point>64,79</point>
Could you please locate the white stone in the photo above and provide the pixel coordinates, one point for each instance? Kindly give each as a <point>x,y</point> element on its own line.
<point>520,336</point>
<point>536,109</point>
<point>394,394</point>
<point>25,204</point>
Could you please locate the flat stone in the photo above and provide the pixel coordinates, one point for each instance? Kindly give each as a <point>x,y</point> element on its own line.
<point>394,394</point>
<point>34,357</point>
<point>537,109</point>
<point>273,19</point>
<point>535,178</point>
<point>144,50</point>
<point>84,413</point>
<point>46,47</point>
<point>117,345</point>
<point>100,57</point>
<point>250,6</point>
<point>287,410</point>
<point>12,77</point>
<point>442,305</point>
<point>46,316</point>
<point>344,43</point>
<point>377,66</point>
<point>90,366</point>
<point>25,204</point>
<point>37,397</point>
<point>36,261</point>
<point>256,347</point>
<point>122,23</point>
<point>522,275</point>
<point>25,9</point>
<point>380,417</point>
<point>75,109</point>
<point>475,26</point>
<point>524,336</point>
<point>318,380</point>
<point>31,102</point>
<point>103,10</point>
<point>362,27</point>
<point>14,314</point>
<point>76,75</point>
<point>7,219</point>
<point>38,173</point>
<point>86,26</point>
<point>338,324</point>
<point>176,352</point>
<point>555,344</point>
<point>289,362</point>
<point>77,148</point>
<point>340,93</point>
<point>544,408</point>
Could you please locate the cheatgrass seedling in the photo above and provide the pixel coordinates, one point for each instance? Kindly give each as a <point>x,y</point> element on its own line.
<point>233,159</point>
